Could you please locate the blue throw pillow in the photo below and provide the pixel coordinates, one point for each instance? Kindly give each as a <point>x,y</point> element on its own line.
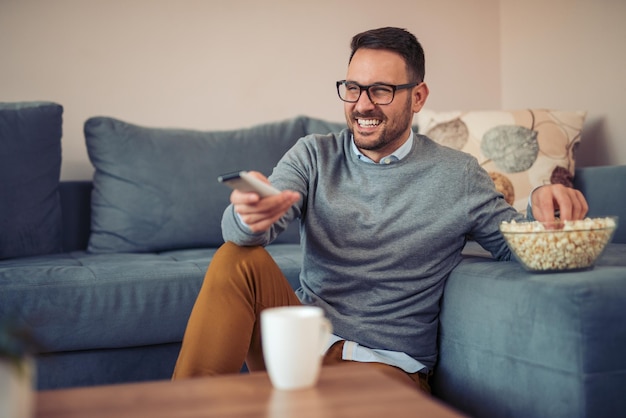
<point>30,166</point>
<point>156,188</point>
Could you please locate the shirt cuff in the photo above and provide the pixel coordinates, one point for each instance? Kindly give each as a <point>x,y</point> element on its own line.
<point>529,207</point>
<point>242,223</point>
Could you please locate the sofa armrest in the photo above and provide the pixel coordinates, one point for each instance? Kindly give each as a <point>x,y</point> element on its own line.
<point>605,190</point>
<point>76,212</point>
<point>520,344</point>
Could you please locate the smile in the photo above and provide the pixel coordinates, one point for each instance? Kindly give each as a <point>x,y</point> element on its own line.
<point>368,123</point>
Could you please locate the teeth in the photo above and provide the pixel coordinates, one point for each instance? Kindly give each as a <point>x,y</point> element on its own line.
<point>368,122</point>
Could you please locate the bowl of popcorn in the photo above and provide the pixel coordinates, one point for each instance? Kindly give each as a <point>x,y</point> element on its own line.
<point>559,245</point>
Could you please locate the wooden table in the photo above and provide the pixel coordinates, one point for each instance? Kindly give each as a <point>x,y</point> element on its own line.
<point>342,391</point>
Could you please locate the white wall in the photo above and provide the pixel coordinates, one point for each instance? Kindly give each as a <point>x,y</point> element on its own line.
<point>223,64</point>
<point>570,54</point>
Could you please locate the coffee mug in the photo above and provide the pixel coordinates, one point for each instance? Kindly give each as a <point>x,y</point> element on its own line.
<point>293,340</point>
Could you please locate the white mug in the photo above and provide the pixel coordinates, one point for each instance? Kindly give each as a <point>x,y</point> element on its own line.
<point>293,340</point>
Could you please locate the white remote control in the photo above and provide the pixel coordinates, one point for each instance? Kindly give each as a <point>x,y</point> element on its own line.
<point>244,182</point>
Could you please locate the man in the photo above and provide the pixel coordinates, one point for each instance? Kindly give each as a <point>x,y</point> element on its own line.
<point>384,215</point>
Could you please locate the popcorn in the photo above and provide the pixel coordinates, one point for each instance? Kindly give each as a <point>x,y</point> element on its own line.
<point>560,245</point>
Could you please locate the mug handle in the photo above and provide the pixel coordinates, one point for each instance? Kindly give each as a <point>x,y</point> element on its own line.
<point>327,330</point>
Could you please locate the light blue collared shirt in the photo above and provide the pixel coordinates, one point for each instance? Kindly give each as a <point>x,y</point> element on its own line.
<point>395,156</point>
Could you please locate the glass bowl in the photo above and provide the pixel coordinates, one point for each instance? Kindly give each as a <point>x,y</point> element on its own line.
<point>559,245</point>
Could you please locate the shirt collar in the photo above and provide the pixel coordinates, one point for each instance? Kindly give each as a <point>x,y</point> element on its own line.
<point>395,156</point>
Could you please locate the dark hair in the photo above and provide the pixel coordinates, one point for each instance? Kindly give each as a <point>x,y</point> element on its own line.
<point>397,40</point>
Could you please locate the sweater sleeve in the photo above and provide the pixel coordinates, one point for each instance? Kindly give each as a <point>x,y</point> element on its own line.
<point>487,208</point>
<point>289,174</point>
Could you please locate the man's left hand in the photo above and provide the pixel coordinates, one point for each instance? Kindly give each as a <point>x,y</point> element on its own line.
<point>546,200</point>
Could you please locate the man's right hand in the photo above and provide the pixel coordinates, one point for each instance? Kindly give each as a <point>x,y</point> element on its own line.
<point>259,214</point>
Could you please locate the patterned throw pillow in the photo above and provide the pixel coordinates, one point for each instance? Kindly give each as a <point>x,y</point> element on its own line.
<point>521,149</point>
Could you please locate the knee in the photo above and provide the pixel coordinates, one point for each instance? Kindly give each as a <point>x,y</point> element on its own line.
<point>236,260</point>
<point>233,254</point>
<point>234,266</point>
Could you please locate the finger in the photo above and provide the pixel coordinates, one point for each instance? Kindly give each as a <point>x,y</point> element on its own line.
<point>261,215</point>
<point>578,203</point>
<point>583,205</point>
<point>252,216</point>
<point>571,203</point>
<point>259,176</point>
<point>542,204</point>
<point>262,222</point>
<point>270,207</point>
<point>242,198</point>
<point>281,201</point>
<point>564,204</point>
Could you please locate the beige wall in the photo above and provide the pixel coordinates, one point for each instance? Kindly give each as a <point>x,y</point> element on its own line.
<point>224,64</point>
<point>228,64</point>
<point>569,54</point>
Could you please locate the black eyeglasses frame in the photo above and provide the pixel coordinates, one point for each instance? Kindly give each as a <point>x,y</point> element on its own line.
<point>394,87</point>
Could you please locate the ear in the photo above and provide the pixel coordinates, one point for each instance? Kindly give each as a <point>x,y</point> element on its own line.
<point>420,94</point>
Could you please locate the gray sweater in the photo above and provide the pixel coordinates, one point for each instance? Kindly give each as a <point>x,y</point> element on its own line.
<point>379,240</point>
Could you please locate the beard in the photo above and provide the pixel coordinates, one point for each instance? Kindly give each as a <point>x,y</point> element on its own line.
<point>389,132</point>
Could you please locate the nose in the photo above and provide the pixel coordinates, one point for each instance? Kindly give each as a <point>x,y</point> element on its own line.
<point>364,103</point>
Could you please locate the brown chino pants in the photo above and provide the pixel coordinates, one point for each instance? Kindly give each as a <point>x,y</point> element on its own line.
<point>224,327</point>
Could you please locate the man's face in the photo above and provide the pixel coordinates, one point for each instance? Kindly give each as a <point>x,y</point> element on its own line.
<point>381,129</point>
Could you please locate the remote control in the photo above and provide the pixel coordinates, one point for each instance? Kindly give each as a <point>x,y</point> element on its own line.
<point>244,182</point>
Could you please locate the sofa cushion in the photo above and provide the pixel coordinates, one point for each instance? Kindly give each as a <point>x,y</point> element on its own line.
<point>521,149</point>
<point>30,165</point>
<point>117,300</point>
<point>156,189</point>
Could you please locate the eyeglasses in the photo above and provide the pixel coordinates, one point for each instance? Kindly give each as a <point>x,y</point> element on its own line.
<point>378,93</point>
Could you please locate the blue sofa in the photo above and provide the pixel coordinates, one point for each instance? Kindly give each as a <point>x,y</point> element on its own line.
<point>111,303</point>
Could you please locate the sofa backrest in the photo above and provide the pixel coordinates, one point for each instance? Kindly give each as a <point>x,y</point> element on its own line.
<point>605,190</point>
<point>76,214</point>
<point>604,187</point>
